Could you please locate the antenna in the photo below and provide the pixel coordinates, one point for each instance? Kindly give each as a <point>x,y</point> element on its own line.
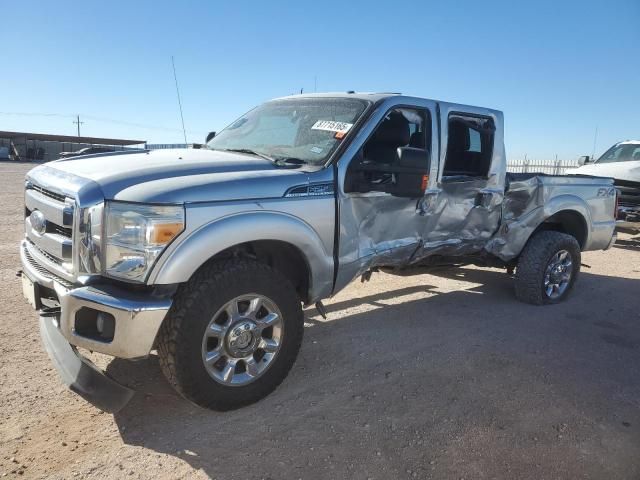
<point>175,77</point>
<point>595,139</point>
<point>78,122</point>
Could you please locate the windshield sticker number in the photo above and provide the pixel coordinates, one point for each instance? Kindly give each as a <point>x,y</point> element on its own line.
<point>331,126</point>
<point>316,150</point>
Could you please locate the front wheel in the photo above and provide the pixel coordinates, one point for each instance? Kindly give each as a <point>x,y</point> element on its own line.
<point>232,335</point>
<point>547,268</point>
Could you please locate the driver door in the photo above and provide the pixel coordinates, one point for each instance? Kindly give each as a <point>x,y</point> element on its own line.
<point>379,224</point>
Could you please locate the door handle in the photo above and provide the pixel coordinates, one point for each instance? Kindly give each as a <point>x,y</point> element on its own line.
<point>488,199</point>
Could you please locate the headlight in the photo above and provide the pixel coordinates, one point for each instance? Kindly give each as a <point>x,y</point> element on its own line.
<point>136,235</point>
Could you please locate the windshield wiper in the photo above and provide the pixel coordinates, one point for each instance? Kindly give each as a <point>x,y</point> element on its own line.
<point>250,152</point>
<point>289,161</point>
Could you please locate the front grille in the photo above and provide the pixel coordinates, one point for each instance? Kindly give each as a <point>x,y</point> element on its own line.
<point>48,193</point>
<point>629,193</point>
<point>50,233</point>
<point>44,272</point>
<point>65,232</point>
<point>48,256</point>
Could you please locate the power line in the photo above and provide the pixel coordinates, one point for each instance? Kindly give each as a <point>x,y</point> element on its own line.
<point>99,119</point>
<point>36,114</point>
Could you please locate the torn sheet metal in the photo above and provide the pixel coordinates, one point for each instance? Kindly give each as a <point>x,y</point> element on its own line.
<point>376,229</point>
<point>522,212</point>
<point>459,218</point>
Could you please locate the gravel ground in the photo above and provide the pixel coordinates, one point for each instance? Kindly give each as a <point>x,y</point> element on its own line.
<point>434,376</point>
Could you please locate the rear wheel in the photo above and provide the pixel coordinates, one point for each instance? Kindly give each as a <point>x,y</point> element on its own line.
<point>547,268</point>
<point>232,335</point>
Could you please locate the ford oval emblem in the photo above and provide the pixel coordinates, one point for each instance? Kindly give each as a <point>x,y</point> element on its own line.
<point>38,222</point>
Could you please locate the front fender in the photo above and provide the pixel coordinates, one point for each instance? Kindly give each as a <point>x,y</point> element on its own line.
<point>182,261</point>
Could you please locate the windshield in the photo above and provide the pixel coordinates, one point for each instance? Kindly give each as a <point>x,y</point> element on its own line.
<point>303,129</point>
<point>624,152</point>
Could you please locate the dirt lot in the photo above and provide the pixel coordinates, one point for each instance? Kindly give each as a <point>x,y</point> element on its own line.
<point>443,376</point>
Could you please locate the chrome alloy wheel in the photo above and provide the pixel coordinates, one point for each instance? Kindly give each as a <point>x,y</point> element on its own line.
<point>557,275</point>
<point>242,339</point>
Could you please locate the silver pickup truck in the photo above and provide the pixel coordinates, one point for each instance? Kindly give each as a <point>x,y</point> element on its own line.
<point>208,255</point>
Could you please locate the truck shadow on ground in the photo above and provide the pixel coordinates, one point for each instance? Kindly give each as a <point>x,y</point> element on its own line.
<point>417,361</point>
<point>631,243</point>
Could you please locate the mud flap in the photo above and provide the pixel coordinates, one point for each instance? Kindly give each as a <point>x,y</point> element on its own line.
<point>79,374</point>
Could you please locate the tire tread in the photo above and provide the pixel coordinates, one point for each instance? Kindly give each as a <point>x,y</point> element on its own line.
<point>533,262</point>
<point>218,277</point>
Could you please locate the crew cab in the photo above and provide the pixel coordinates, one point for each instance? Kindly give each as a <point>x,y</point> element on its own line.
<point>208,255</point>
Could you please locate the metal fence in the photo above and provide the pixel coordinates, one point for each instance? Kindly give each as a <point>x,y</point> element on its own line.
<point>551,167</point>
<point>163,146</point>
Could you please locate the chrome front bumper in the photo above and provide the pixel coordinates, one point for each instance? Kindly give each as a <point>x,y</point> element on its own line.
<point>137,317</point>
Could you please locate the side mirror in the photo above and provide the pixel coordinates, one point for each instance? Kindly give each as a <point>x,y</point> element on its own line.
<point>412,172</point>
<point>405,177</point>
<point>584,160</point>
<point>210,135</point>
<point>414,158</point>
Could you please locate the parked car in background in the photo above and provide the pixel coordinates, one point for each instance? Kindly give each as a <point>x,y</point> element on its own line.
<point>87,151</point>
<point>622,163</point>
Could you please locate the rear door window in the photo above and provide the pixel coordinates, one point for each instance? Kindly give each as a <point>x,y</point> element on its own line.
<point>469,146</point>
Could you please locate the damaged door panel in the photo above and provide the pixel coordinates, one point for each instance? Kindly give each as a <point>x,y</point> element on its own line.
<point>381,224</point>
<point>459,218</point>
<point>463,211</point>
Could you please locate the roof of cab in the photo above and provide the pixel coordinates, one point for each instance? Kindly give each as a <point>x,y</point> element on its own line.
<point>378,96</point>
<point>371,96</point>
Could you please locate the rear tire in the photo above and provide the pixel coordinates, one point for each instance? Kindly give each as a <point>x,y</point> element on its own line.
<point>547,268</point>
<point>261,342</point>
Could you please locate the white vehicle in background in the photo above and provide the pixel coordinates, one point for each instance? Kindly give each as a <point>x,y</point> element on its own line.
<point>622,163</point>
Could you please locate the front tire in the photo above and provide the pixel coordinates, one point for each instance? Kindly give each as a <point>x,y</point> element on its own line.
<point>547,268</point>
<point>232,334</point>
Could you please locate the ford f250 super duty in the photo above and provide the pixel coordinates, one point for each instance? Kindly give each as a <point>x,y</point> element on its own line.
<point>208,255</point>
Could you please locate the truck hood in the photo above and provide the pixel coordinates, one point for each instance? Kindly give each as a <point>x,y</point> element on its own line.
<point>627,171</point>
<point>185,175</point>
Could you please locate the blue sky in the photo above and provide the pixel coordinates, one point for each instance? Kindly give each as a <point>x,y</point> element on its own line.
<point>558,69</point>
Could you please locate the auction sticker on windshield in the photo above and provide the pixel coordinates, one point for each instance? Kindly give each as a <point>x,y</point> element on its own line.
<point>331,126</point>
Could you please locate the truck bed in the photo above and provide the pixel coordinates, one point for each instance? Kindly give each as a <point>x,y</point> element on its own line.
<point>531,198</point>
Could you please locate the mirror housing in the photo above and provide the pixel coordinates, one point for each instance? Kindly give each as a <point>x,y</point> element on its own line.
<point>584,160</point>
<point>210,135</point>
<point>407,174</point>
<point>412,172</point>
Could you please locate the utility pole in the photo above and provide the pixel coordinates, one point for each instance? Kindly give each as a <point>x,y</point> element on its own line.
<point>78,122</point>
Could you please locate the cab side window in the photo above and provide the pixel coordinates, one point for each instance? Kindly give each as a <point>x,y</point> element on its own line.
<point>401,127</point>
<point>469,146</point>
<point>395,159</point>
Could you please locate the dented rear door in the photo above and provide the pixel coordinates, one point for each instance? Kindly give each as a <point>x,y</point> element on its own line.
<point>462,206</point>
